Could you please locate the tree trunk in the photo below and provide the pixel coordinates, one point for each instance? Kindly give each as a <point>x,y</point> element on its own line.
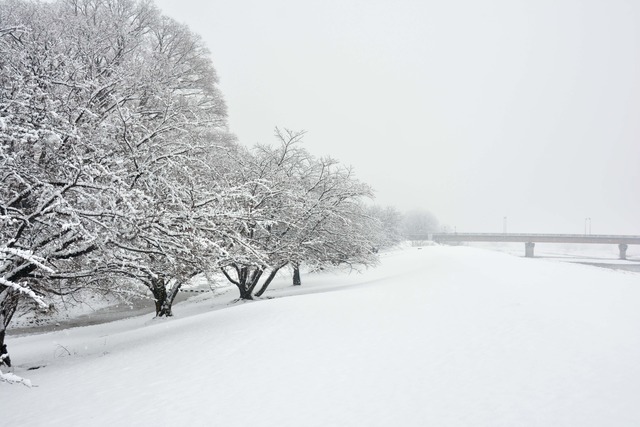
<point>244,292</point>
<point>163,300</point>
<point>296,275</point>
<point>173,293</point>
<point>267,282</point>
<point>8,305</point>
<point>247,279</point>
<point>4,353</point>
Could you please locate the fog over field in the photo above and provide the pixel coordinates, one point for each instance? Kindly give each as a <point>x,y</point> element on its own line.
<point>474,110</point>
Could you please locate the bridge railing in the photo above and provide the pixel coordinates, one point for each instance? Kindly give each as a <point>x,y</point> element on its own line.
<point>529,237</point>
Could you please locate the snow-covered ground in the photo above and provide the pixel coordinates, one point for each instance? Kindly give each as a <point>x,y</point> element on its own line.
<point>581,253</point>
<point>442,336</point>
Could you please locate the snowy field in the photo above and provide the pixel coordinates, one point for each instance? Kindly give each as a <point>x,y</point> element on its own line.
<point>600,254</point>
<point>434,336</point>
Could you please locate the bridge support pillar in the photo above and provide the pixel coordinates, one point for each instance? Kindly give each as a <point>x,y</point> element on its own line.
<point>528,249</point>
<point>623,250</point>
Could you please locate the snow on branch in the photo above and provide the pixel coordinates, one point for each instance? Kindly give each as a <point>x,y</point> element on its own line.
<point>23,288</point>
<point>27,256</point>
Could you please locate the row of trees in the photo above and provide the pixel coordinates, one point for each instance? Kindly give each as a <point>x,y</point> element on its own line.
<point>117,168</point>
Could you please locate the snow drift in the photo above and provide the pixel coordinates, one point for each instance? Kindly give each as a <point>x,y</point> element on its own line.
<point>447,336</point>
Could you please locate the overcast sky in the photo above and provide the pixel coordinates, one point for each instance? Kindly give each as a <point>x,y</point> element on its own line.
<point>474,110</point>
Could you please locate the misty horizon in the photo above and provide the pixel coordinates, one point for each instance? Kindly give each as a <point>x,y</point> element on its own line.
<point>473,111</point>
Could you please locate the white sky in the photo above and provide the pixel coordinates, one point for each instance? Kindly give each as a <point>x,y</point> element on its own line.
<point>473,110</point>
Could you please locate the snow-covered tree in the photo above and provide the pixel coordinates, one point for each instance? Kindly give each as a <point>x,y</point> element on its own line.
<point>299,209</point>
<point>168,115</point>
<point>419,223</point>
<point>107,110</point>
<point>45,183</point>
<point>390,220</point>
<point>334,226</point>
<point>259,242</point>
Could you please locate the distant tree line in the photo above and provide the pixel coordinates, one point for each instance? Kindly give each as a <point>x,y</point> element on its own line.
<point>418,223</point>
<point>117,168</point>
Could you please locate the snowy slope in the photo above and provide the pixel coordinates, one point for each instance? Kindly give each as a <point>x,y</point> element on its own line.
<point>443,336</point>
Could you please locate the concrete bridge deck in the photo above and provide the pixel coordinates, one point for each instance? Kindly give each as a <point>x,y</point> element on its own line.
<point>530,239</point>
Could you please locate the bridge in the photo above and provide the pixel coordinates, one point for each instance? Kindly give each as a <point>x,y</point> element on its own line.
<point>530,240</point>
